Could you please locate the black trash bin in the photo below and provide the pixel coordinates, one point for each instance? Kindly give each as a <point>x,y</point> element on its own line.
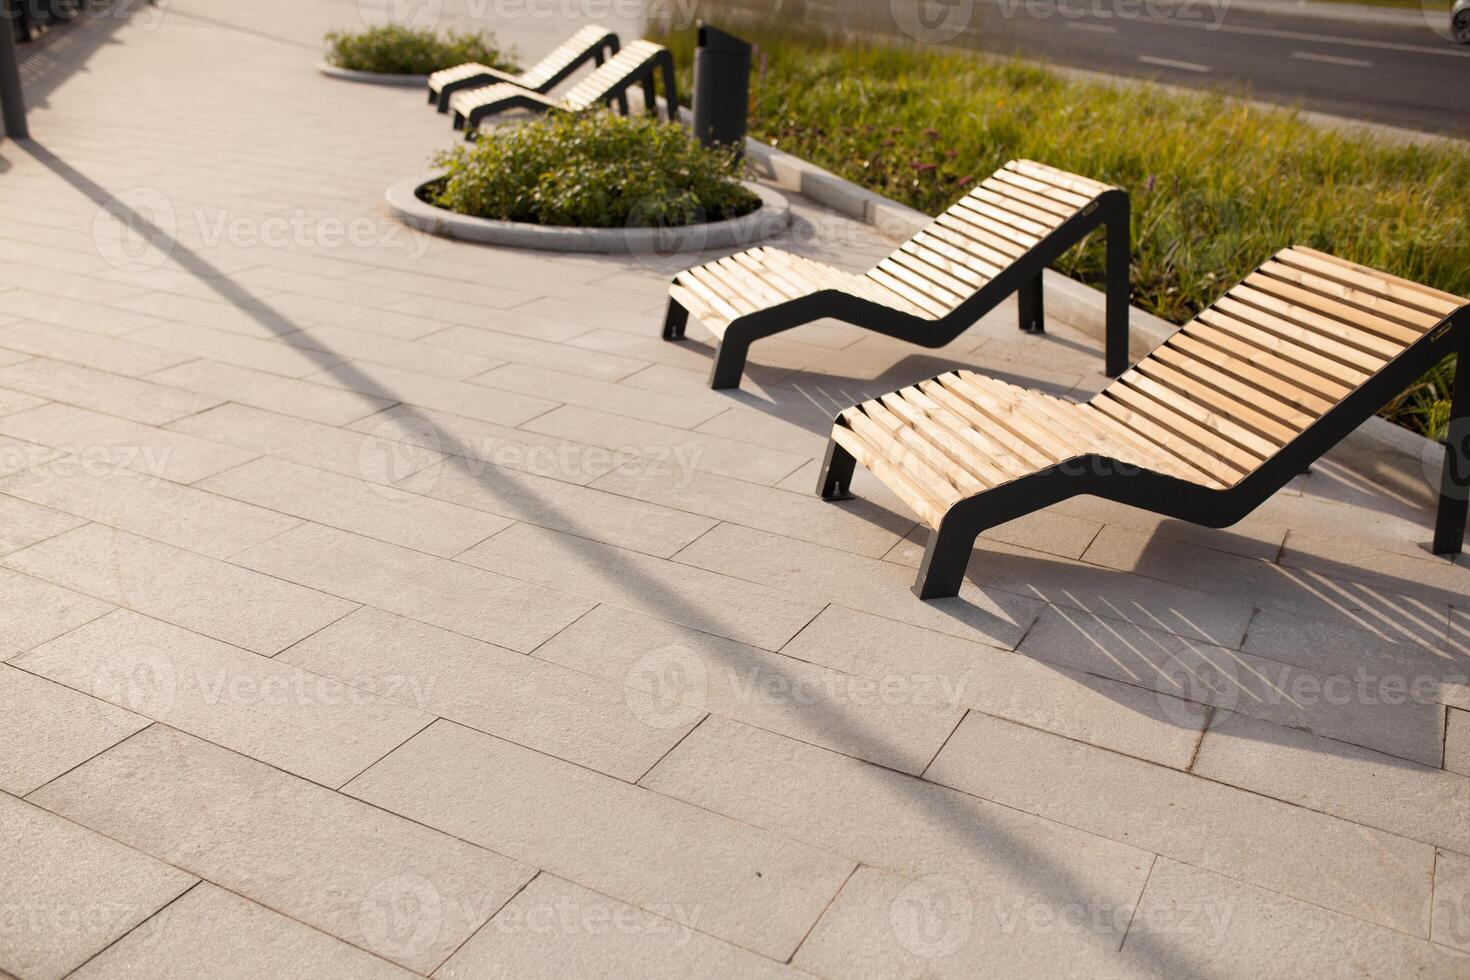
<point>721,87</point>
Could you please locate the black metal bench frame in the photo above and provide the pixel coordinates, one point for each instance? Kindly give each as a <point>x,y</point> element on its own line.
<point>608,43</point>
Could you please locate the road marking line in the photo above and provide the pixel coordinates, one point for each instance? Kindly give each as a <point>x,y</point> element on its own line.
<point>1169,63</point>
<point>1094,28</point>
<point>1331,59</point>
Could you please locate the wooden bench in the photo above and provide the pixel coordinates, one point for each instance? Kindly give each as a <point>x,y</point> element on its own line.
<point>588,44</point>
<point>640,63</point>
<point>1207,427</point>
<point>993,243</point>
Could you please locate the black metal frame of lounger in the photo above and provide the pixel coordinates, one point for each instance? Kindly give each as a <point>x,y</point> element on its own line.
<point>608,42</point>
<point>658,63</point>
<point>950,546</point>
<point>1022,277</point>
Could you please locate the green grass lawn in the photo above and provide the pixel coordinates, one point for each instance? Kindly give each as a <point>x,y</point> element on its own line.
<point>1217,185</point>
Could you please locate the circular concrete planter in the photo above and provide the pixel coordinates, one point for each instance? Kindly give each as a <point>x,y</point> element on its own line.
<point>374,77</point>
<point>771,218</point>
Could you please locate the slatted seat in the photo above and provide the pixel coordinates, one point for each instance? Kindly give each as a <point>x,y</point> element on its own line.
<point>588,44</point>
<point>994,242</point>
<point>637,64</point>
<point>1226,412</point>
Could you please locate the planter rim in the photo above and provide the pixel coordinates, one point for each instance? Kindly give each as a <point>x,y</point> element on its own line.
<point>771,218</point>
<point>373,77</point>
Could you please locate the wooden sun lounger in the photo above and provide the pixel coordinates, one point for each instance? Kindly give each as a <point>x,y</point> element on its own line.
<point>637,64</point>
<point>588,44</point>
<point>994,242</point>
<point>1206,428</point>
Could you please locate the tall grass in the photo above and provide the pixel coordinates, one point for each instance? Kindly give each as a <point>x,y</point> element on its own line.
<point>1217,184</point>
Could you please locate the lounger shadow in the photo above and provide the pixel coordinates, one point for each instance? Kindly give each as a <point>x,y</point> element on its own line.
<point>1225,413</point>
<point>995,242</point>
<point>640,63</point>
<point>588,44</point>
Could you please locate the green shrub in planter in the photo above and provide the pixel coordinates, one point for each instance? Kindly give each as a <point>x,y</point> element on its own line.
<point>594,170</point>
<point>397,50</point>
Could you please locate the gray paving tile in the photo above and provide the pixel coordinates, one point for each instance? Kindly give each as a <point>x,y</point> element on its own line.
<point>32,612</point>
<point>502,347</point>
<point>54,300</point>
<point>1352,708</point>
<point>314,726</point>
<point>1419,802</point>
<point>111,394</point>
<point>47,729</point>
<point>70,892</point>
<point>377,456</point>
<point>22,523</point>
<point>87,349</point>
<point>827,575</point>
<point>1209,925</point>
<point>93,437</point>
<point>457,597</point>
<point>741,884</point>
<point>315,402</point>
<point>556,930</point>
<point>1125,718</point>
<point>666,590</point>
<point>386,885</point>
<point>673,674</point>
<point>858,527</point>
<point>603,396</point>
<point>224,601</point>
<point>1451,924</point>
<point>1457,741</point>
<point>591,513</point>
<point>427,391</point>
<point>1311,856</point>
<point>1398,616</point>
<point>409,355</point>
<point>678,450</point>
<point>544,706</point>
<point>374,510</point>
<point>568,460</point>
<point>147,505</point>
<point>216,933</point>
<point>287,359</point>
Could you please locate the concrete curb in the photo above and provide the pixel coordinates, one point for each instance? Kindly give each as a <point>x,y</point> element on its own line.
<point>374,77</point>
<point>772,218</point>
<point>1388,454</point>
<point>1350,12</point>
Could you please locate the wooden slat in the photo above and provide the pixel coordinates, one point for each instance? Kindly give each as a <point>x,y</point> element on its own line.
<point>1144,427</point>
<point>1207,428</point>
<point>991,220</point>
<point>1256,382</point>
<point>923,475</point>
<point>1434,301</point>
<point>1232,414</point>
<point>941,450</point>
<point>1336,319</point>
<point>1371,311</point>
<point>1059,178</point>
<point>991,460</point>
<point>929,510</point>
<point>1003,444</point>
<point>918,298</point>
<point>1010,212</point>
<point>1309,370</point>
<point>1287,322</point>
<point>988,399</point>
<point>1070,200</point>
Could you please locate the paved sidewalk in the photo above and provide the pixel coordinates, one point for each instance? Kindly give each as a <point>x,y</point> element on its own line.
<point>373,605</point>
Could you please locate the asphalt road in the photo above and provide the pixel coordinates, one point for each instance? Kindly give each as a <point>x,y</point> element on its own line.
<point>1405,76</point>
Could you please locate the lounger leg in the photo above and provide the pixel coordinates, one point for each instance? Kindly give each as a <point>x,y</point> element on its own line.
<point>675,321</point>
<point>1029,299</point>
<point>1454,484</point>
<point>1116,302</point>
<point>729,363</point>
<point>622,100</point>
<point>835,482</point>
<point>945,558</point>
<point>650,97</point>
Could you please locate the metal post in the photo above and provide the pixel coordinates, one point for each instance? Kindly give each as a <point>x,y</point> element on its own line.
<point>12,99</point>
<point>1454,486</point>
<point>721,88</point>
